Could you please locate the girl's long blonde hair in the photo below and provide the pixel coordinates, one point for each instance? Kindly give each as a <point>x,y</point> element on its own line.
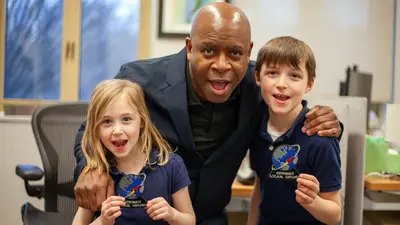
<point>105,93</point>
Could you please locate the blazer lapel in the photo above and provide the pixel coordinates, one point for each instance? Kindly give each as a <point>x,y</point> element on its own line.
<point>176,100</point>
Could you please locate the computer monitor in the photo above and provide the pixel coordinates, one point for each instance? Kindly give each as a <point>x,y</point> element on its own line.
<point>358,84</point>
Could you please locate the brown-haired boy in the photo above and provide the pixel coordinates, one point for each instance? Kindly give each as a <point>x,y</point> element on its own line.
<point>298,176</point>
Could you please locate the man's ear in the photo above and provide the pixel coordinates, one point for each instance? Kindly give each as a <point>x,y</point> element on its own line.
<point>189,48</point>
<point>249,52</point>
<point>257,77</point>
<point>310,85</point>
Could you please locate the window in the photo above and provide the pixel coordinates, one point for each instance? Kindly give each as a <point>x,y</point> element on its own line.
<point>59,50</point>
<point>33,49</point>
<point>109,39</point>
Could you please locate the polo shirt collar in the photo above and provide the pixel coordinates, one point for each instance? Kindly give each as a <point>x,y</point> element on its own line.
<point>148,167</point>
<point>297,123</point>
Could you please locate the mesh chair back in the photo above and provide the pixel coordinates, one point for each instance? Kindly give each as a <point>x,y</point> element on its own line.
<point>55,127</point>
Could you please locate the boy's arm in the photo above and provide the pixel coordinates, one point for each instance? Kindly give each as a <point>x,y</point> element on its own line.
<point>326,207</point>
<point>254,212</point>
<point>320,194</point>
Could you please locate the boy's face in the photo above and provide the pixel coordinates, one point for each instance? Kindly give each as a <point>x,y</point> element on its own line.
<point>283,86</point>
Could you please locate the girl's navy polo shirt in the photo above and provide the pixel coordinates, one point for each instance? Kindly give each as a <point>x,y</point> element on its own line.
<point>279,163</point>
<point>161,181</point>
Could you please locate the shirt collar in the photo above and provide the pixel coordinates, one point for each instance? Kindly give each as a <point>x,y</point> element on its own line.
<point>299,121</point>
<point>148,167</point>
<point>193,98</point>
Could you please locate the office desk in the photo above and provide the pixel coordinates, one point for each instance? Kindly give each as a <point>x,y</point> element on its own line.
<point>378,183</point>
<point>380,206</point>
<point>240,190</point>
<point>376,210</point>
<point>240,200</point>
<point>373,183</point>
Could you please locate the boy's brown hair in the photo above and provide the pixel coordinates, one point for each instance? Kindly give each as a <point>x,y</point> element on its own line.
<point>287,50</point>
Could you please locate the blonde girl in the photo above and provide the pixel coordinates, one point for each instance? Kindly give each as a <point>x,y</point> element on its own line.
<point>149,178</point>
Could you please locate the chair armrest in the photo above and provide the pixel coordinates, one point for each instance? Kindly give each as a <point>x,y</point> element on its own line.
<point>31,173</point>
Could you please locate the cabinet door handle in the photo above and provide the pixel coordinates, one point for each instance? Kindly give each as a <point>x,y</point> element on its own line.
<point>73,50</point>
<point>67,50</point>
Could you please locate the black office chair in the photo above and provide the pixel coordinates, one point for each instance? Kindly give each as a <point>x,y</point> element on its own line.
<point>54,127</point>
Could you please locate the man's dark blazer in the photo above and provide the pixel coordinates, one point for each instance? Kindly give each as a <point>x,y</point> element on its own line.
<point>164,82</point>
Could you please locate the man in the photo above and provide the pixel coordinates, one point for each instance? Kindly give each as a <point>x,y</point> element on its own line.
<point>204,101</point>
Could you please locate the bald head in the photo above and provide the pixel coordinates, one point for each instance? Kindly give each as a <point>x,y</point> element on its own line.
<point>218,51</point>
<point>217,16</point>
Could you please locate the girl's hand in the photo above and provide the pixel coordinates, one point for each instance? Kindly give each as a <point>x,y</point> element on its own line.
<point>307,189</point>
<point>158,208</point>
<point>111,209</point>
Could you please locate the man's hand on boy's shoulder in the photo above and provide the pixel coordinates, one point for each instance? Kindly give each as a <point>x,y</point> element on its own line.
<point>93,188</point>
<point>322,120</point>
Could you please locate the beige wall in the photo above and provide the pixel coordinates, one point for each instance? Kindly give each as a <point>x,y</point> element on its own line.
<point>162,46</point>
<point>362,35</point>
<point>18,146</point>
<point>397,59</point>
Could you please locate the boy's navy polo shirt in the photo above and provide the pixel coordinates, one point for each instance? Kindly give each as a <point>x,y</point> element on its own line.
<point>279,163</point>
<point>161,181</point>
